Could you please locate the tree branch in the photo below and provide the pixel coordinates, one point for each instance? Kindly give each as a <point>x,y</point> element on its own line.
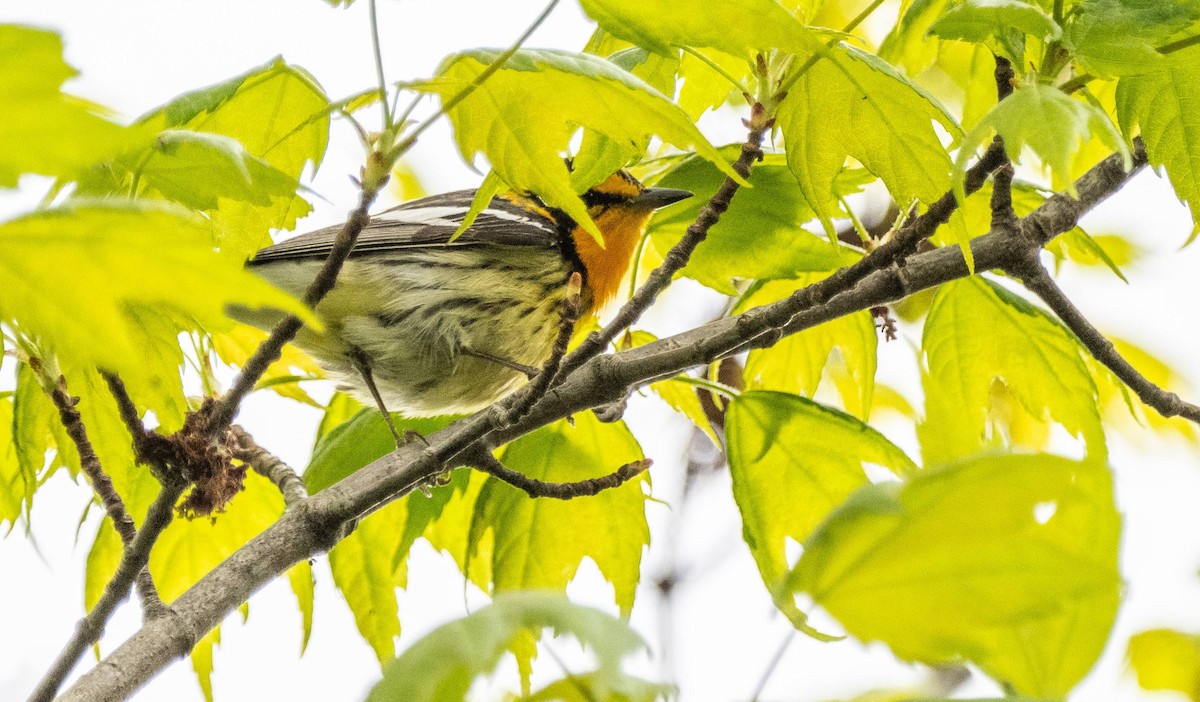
<point>133,562</point>
<point>483,460</point>
<point>269,466</point>
<point>1168,404</point>
<point>317,523</point>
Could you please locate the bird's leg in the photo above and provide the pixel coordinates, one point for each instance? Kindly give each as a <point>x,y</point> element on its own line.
<point>362,364</point>
<point>529,371</point>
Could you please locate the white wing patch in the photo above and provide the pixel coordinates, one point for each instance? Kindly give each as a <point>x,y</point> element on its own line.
<point>433,216</point>
<point>514,217</point>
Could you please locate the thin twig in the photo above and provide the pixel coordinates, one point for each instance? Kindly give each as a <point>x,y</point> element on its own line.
<point>1037,279</point>
<point>269,466</point>
<point>377,50</point>
<point>776,659</point>
<point>1004,218</point>
<point>483,460</point>
<point>133,562</point>
<point>128,411</point>
<point>224,409</point>
<point>811,61</point>
<point>114,506</point>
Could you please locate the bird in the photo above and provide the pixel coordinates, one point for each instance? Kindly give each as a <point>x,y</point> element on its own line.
<point>427,325</point>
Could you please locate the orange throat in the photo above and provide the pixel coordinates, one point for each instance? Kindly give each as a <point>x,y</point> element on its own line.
<point>606,267</point>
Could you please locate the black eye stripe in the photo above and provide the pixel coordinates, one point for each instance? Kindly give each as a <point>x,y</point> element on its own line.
<point>593,198</point>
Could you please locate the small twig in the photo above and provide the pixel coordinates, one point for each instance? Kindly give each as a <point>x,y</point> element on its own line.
<point>133,561</point>
<point>224,409</point>
<point>1037,279</point>
<point>483,460</point>
<point>776,659</point>
<point>1004,219</point>
<point>128,411</point>
<point>114,506</point>
<point>377,50</point>
<point>269,466</point>
<point>569,311</point>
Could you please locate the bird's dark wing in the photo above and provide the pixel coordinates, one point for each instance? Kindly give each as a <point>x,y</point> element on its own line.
<point>428,222</point>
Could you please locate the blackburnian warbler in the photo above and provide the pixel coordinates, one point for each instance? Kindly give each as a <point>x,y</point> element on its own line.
<point>444,327</point>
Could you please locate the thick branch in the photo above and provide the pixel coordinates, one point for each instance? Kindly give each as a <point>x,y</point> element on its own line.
<point>269,351</point>
<point>318,522</point>
<point>484,460</point>
<point>1168,404</point>
<point>269,466</point>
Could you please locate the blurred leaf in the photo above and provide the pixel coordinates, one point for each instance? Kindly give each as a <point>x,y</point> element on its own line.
<point>978,333</point>
<point>525,148</point>
<point>1165,659</point>
<point>279,114</point>
<point>1118,37</point>
<point>682,397</point>
<point>792,462</point>
<point>538,543</point>
<point>759,236</point>
<point>1046,120</point>
<point>1027,588</point>
<point>798,363</point>
<point>738,27</point>
<point>44,130</point>
<point>702,88</point>
<point>196,169</point>
<point>586,688</point>
<point>441,666</point>
<point>89,271</point>
<point>908,45</point>
<point>14,485</point>
<point>1164,105</point>
<point>851,103</point>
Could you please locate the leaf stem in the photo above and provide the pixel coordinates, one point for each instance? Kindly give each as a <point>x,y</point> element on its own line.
<point>812,60</point>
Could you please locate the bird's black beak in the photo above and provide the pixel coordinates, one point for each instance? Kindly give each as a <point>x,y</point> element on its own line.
<point>654,198</point>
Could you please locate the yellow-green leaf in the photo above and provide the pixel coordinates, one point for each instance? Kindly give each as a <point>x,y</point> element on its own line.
<point>852,104</point>
<point>1165,659</point>
<point>526,147</point>
<point>1164,104</point>
<point>300,577</point>
<point>362,571</point>
<point>1119,37</point>
<point>441,666</point>
<point>1009,562</point>
<point>977,334</point>
<point>81,278</point>
<point>14,485</point>
<point>797,364</point>
<point>538,544</point>
<point>739,27</point>
<point>45,130</point>
<point>1046,120</point>
<point>792,462</point>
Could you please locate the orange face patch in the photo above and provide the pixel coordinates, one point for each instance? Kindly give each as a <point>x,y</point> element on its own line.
<point>606,267</point>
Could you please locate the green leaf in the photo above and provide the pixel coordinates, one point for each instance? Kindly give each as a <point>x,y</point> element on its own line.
<point>1009,562</point>
<point>797,364</point>
<point>196,169</point>
<point>365,563</point>
<point>738,27</point>
<point>853,104</point>
<point>759,236</point>
<point>44,130</point>
<point>81,278</point>
<point>538,544</point>
<point>525,148</point>
<point>280,115</point>
<point>1046,120</point>
<point>587,688</point>
<point>441,666</point>
<point>1165,659</point>
<point>202,661</point>
<point>235,346</point>
<point>681,396</point>
<point>1118,37</point>
<point>908,44</point>
<point>977,334</point>
<point>1002,22</point>
<point>792,461</point>
<point>702,88</point>
<point>1164,105</point>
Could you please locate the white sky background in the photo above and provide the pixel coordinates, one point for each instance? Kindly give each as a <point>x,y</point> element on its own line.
<point>137,54</point>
